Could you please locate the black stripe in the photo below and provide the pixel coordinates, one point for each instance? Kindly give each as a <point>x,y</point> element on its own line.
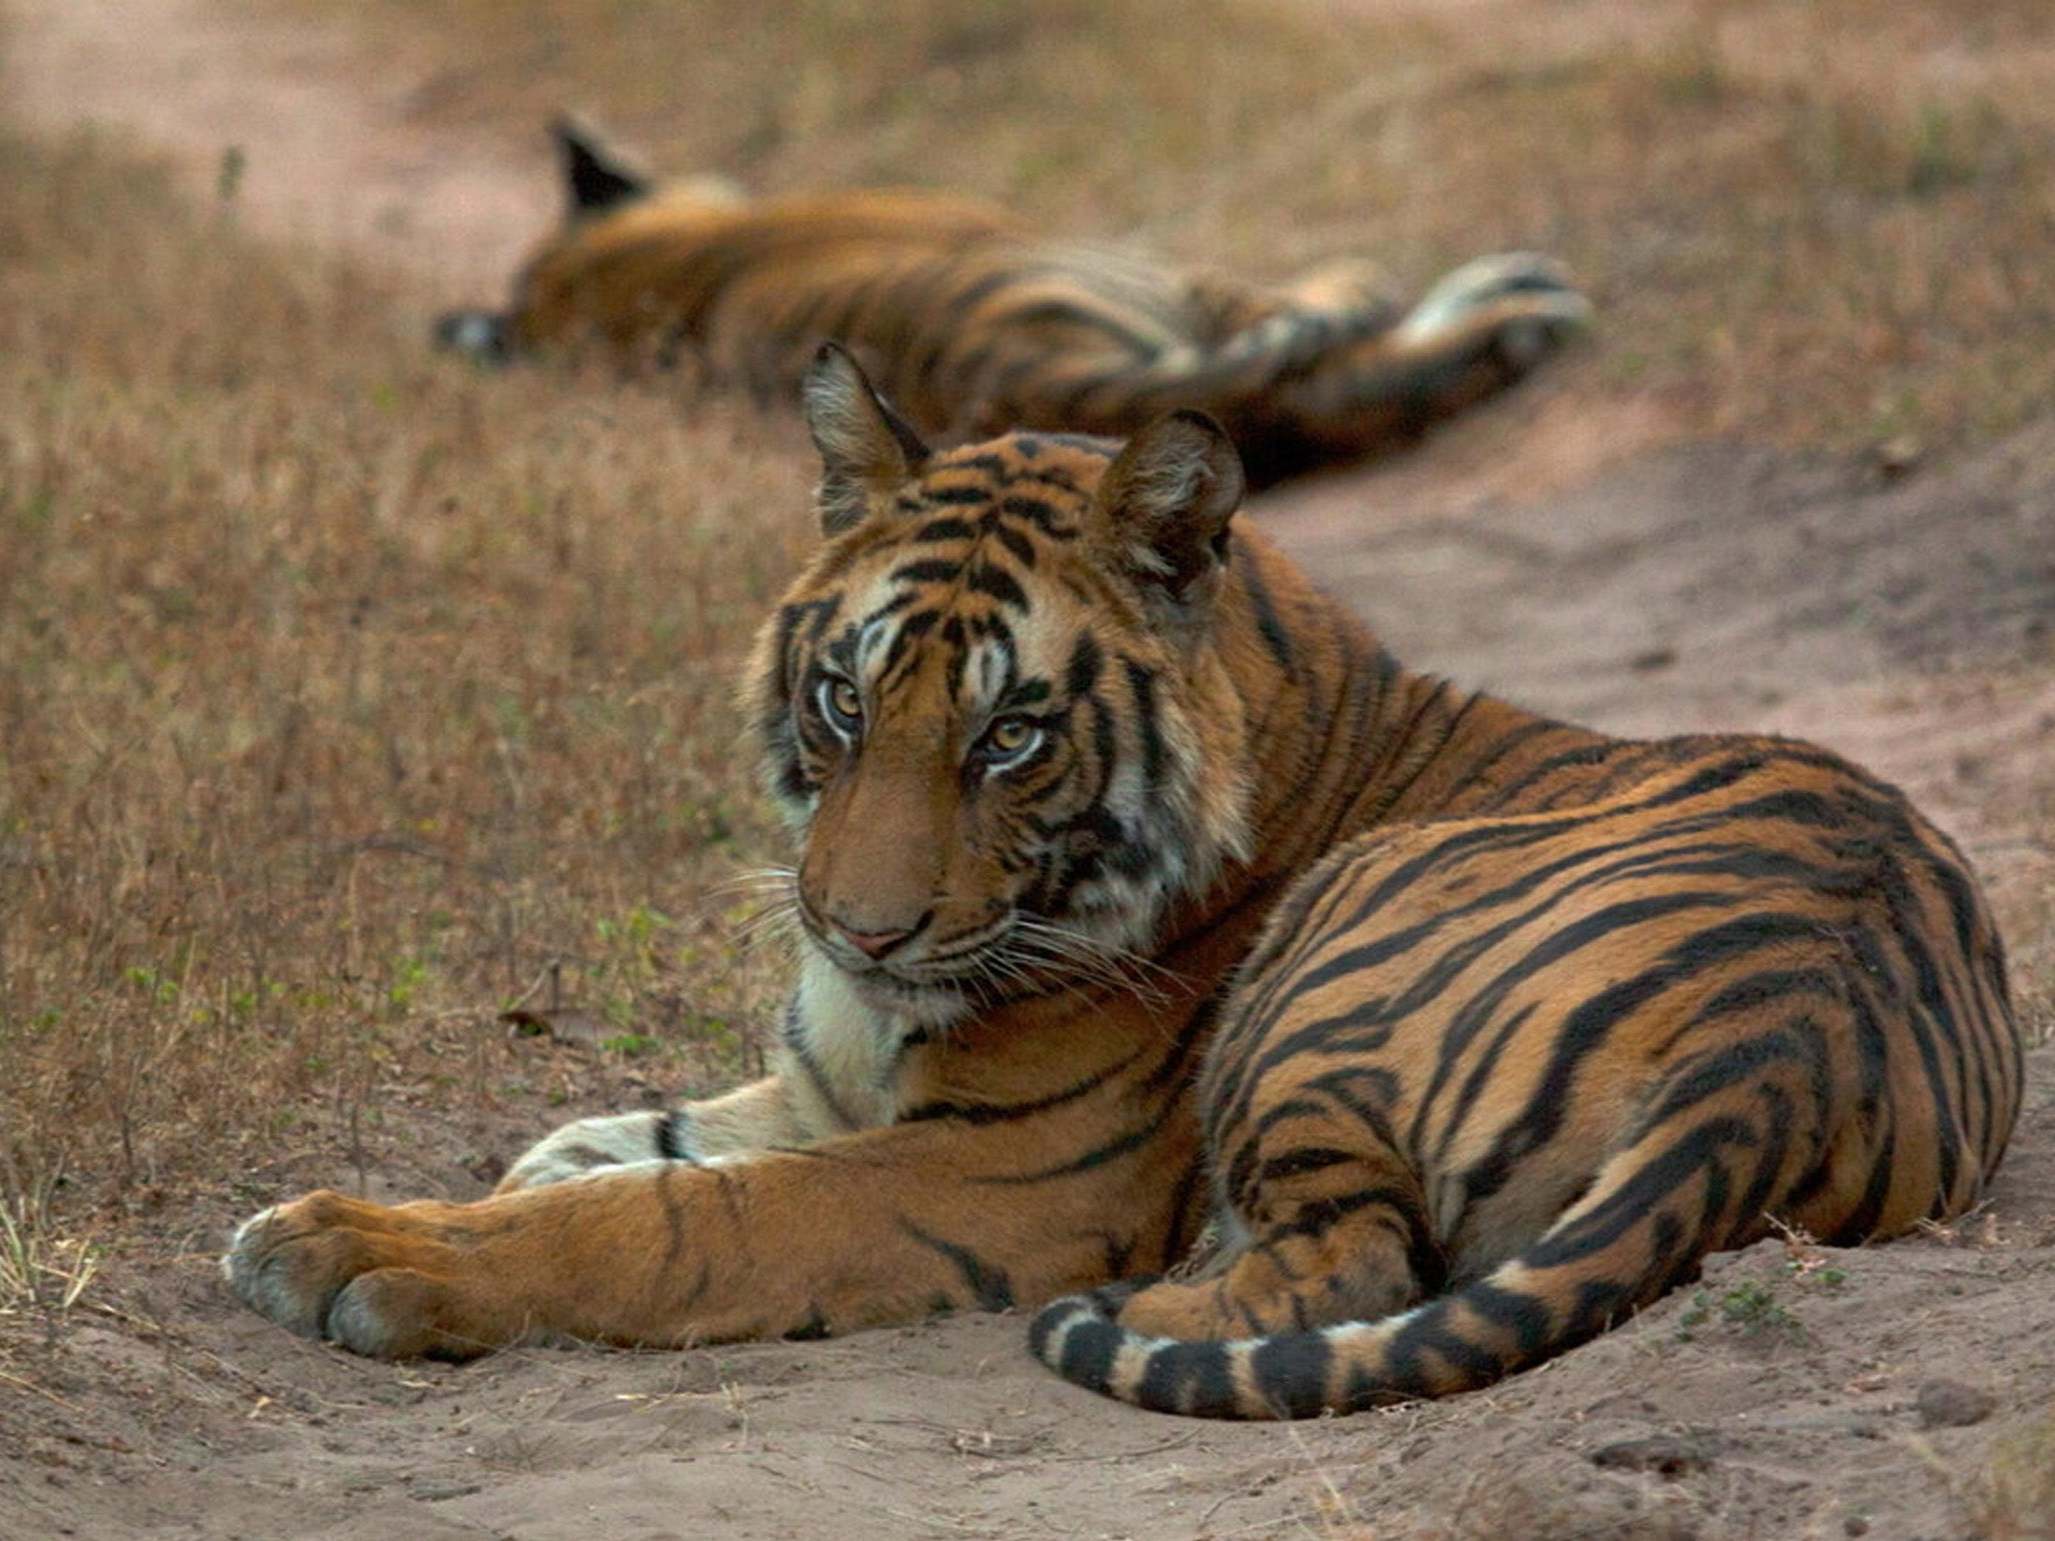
<point>1000,585</point>
<point>1088,312</point>
<point>673,1141</point>
<point>1043,515</point>
<point>1088,1351</point>
<point>1269,625</point>
<point>1583,755</point>
<point>1194,1378</point>
<point>988,1284</point>
<point>794,1035</point>
<point>1098,1156</point>
<point>979,1113</point>
<point>927,570</point>
<point>1022,548</point>
<point>1430,981</point>
<point>1634,1201</point>
<point>1291,1371</point>
<point>1085,662</point>
<point>1142,682</point>
<point>1587,1028</point>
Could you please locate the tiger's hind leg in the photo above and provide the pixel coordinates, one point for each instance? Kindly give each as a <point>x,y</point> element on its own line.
<point>1480,329</point>
<point>1325,1223</point>
<point>1727,1136</point>
<point>1344,286</point>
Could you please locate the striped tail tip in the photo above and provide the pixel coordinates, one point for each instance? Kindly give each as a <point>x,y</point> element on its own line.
<point>1286,1375</point>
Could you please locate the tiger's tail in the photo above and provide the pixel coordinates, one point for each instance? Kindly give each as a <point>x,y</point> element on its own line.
<point>1723,1145</point>
<point>1617,1250</point>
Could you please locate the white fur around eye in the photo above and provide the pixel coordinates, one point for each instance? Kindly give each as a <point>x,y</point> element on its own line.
<point>847,721</point>
<point>994,759</point>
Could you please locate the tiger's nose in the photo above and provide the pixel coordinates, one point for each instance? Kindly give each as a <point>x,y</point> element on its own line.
<point>872,944</point>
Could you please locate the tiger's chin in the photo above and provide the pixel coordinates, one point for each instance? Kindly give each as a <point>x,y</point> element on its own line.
<point>924,1003</point>
<point>941,1000</point>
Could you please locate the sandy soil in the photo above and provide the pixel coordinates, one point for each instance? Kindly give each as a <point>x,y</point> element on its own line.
<point>1911,624</point>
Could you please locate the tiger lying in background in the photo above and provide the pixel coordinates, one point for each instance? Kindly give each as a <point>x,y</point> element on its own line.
<point>973,322</point>
<point>1145,897</point>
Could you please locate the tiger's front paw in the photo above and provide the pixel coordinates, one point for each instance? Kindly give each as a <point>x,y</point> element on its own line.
<point>376,1280</point>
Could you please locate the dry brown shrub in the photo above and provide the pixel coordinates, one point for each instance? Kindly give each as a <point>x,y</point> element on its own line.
<point>344,689</point>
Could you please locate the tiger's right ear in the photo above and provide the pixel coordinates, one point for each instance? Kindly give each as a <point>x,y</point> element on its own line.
<point>868,451</point>
<point>1165,502</point>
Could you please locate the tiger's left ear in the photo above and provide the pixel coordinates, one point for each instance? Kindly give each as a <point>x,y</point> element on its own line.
<point>1165,502</point>
<point>867,450</point>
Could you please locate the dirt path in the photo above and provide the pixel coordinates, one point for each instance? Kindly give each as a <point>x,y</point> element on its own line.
<point>326,155</point>
<point>1913,626</point>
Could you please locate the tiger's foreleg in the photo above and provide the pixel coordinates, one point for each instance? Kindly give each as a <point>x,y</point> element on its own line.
<point>834,1074</point>
<point>763,1115</point>
<point>883,1226</point>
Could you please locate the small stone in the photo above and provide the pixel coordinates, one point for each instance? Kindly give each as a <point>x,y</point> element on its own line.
<point>1667,1455</point>
<point>433,1492</point>
<point>1899,456</point>
<point>1855,1525</point>
<point>1949,1404</point>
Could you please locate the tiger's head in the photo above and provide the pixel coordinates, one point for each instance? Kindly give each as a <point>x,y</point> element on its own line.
<point>994,706</point>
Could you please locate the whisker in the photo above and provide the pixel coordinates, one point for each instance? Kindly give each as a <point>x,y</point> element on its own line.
<point>774,922</point>
<point>1062,955</point>
<point>756,879</point>
<point>1097,945</point>
<point>1105,960</point>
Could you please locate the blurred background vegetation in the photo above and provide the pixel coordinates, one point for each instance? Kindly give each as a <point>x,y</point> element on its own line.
<point>1820,221</point>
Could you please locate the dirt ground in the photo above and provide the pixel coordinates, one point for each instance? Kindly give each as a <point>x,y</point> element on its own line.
<point>1905,618</point>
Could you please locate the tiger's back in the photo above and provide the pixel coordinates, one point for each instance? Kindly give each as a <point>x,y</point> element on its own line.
<point>1505,1070</point>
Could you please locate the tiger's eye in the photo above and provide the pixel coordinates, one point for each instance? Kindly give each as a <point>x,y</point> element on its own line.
<point>1009,735</point>
<point>844,698</point>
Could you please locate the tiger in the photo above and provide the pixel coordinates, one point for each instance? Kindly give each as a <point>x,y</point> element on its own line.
<point>975,321</point>
<point>1296,1031</point>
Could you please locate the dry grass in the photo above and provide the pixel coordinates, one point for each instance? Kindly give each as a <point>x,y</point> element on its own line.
<point>1819,222</point>
<point>42,1275</point>
<point>344,691</point>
